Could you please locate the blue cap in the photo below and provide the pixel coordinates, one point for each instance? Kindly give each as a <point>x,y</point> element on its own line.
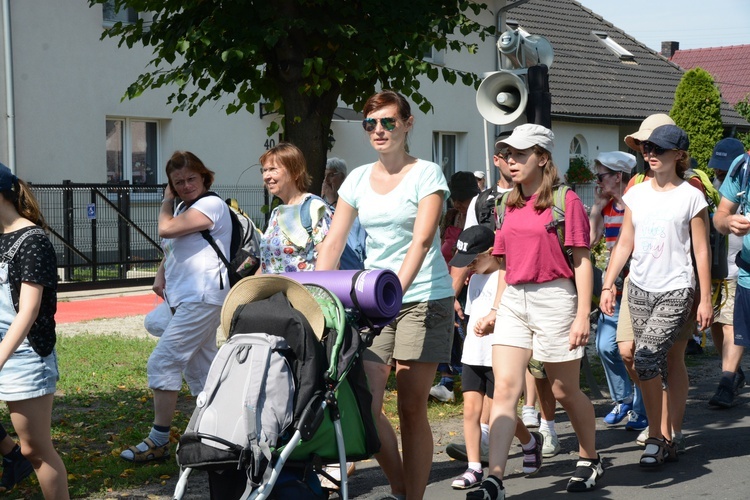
<point>7,179</point>
<point>725,151</point>
<point>670,137</point>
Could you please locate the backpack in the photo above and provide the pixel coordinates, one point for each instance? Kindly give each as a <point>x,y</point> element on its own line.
<point>249,402</point>
<point>244,248</point>
<point>351,259</point>
<point>484,207</point>
<point>718,242</point>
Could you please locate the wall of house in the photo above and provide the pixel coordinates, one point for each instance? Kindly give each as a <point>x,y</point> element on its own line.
<point>68,82</point>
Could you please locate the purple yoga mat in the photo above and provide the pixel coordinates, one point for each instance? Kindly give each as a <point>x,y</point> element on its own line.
<point>378,291</point>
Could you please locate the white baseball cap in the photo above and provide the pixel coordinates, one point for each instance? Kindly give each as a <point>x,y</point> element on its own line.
<point>479,174</point>
<point>529,135</point>
<point>617,161</point>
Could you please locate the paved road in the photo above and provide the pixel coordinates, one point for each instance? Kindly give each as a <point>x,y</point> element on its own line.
<point>716,464</point>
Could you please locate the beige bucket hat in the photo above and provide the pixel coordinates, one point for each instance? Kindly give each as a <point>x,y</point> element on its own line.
<point>255,288</point>
<point>647,126</point>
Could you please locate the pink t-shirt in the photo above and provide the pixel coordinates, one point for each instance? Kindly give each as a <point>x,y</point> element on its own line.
<point>533,253</point>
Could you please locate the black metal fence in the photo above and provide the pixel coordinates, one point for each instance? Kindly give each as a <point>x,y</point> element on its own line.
<point>105,235</point>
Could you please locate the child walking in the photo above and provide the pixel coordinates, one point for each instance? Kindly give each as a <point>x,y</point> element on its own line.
<point>474,248</point>
<point>541,307</point>
<point>663,218</point>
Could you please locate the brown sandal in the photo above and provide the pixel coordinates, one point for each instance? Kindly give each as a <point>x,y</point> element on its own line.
<point>654,459</point>
<point>152,453</point>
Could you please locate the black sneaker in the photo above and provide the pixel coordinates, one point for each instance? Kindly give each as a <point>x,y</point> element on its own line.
<point>586,474</point>
<point>693,348</point>
<point>15,469</point>
<point>739,380</point>
<point>724,397</point>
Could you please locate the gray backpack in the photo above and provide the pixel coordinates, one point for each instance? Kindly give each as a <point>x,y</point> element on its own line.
<point>247,402</point>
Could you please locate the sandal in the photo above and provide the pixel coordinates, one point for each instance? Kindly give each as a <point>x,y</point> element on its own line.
<point>490,489</point>
<point>655,453</point>
<point>671,455</point>
<point>468,479</point>
<point>532,459</point>
<point>152,453</point>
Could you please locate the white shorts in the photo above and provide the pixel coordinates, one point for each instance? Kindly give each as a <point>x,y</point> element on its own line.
<point>187,347</point>
<point>538,316</point>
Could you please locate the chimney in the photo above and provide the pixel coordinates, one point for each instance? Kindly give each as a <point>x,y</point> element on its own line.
<point>669,48</point>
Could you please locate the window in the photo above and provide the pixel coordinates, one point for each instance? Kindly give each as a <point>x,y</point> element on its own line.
<point>434,56</point>
<point>614,47</point>
<point>444,152</point>
<point>111,15</point>
<point>132,151</point>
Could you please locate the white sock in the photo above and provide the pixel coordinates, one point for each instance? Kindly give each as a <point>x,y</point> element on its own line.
<point>475,466</point>
<point>549,425</point>
<point>485,435</point>
<point>159,438</point>
<point>530,445</point>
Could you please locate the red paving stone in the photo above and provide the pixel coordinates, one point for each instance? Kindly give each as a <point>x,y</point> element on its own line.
<point>109,307</point>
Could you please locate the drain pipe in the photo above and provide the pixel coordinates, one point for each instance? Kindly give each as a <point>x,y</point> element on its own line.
<point>9,100</point>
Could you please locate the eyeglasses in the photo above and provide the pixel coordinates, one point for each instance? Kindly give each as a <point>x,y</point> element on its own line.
<point>650,147</point>
<point>601,177</point>
<point>388,124</point>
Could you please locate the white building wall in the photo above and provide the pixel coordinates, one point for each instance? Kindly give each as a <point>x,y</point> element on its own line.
<point>68,82</point>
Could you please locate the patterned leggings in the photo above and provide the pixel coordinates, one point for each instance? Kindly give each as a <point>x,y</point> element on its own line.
<point>657,318</point>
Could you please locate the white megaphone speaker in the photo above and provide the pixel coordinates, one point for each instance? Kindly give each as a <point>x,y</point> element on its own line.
<point>502,98</point>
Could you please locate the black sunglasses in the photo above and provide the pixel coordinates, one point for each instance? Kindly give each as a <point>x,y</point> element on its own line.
<point>388,124</point>
<point>600,177</point>
<point>650,147</point>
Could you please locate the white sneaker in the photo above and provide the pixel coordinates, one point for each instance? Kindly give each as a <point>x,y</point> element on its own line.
<point>442,394</point>
<point>530,416</point>
<point>642,437</point>
<point>551,446</point>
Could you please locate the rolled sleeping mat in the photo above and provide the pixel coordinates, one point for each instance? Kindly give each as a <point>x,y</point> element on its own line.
<point>377,292</point>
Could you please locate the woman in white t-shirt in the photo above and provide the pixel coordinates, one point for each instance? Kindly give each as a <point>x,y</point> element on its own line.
<point>194,282</point>
<point>663,217</point>
<point>399,201</point>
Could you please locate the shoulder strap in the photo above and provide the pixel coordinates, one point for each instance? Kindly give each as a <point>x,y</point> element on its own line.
<point>481,203</point>
<point>8,256</point>
<point>639,178</point>
<point>304,212</point>
<point>741,169</point>
<point>558,220</point>
<point>211,241</point>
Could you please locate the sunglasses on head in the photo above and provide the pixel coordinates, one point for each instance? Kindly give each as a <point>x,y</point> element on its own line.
<point>650,147</point>
<point>601,177</point>
<point>388,124</point>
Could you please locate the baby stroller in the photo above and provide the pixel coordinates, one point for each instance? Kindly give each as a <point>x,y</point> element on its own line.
<point>291,398</point>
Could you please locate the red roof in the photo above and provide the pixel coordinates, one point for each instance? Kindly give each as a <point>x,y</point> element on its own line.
<point>730,67</point>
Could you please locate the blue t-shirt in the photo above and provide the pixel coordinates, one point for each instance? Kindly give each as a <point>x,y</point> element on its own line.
<point>389,219</point>
<point>730,189</point>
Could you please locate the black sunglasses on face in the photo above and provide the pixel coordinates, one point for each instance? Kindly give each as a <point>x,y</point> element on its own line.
<point>388,124</point>
<point>650,147</point>
<point>601,177</point>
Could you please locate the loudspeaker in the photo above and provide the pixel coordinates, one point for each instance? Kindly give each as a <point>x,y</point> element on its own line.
<point>524,50</point>
<point>502,97</point>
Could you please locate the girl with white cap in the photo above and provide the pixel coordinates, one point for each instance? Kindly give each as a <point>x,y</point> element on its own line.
<point>541,307</point>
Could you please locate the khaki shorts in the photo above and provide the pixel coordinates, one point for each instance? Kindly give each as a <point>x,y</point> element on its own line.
<point>422,331</point>
<point>538,316</point>
<point>726,313</point>
<point>625,325</point>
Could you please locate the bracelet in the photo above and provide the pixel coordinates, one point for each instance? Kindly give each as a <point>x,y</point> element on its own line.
<point>610,289</point>
<point>493,308</point>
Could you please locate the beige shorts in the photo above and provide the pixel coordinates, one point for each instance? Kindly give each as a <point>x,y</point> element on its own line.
<point>625,325</point>
<point>726,313</point>
<point>538,316</point>
<point>422,331</point>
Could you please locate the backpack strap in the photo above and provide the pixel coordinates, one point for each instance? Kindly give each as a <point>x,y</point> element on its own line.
<point>501,203</point>
<point>206,233</point>
<point>306,219</point>
<point>8,256</point>
<point>741,169</point>
<point>558,220</point>
<point>259,472</point>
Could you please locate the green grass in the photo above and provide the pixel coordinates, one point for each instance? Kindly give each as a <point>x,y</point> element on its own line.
<point>103,406</point>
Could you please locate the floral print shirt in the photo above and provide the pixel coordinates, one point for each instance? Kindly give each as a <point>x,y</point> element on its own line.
<point>279,254</point>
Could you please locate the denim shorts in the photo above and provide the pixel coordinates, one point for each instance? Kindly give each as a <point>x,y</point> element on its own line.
<point>26,375</point>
